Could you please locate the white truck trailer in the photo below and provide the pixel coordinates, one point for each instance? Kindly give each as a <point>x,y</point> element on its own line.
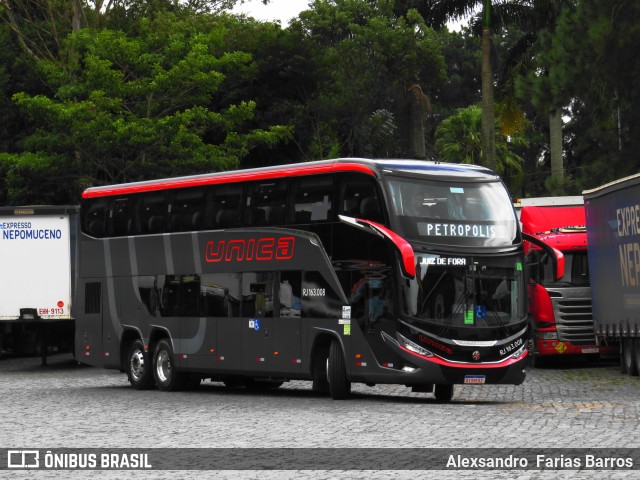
<point>37,259</point>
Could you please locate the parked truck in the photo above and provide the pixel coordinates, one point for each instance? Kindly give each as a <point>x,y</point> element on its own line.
<point>613,231</point>
<point>559,308</point>
<point>37,257</point>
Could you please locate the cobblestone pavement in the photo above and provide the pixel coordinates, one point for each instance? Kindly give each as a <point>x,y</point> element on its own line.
<point>577,405</point>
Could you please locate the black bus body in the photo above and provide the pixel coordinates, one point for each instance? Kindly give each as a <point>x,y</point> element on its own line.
<point>349,270</point>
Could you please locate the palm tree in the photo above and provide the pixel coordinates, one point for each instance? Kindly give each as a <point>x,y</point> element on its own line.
<point>530,15</point>
<point>533,18</point>
<point>459,140</point>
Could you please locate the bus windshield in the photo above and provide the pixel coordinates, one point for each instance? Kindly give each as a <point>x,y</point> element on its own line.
<point>471,292</point>
<point>452,213</point>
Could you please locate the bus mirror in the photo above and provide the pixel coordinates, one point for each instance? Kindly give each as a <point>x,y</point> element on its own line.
<point>556,256</point>
<point>400,244</point>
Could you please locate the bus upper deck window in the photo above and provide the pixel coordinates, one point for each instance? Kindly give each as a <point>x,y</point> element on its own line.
<point>223,206</point>
<point>311,199</point>
<point>185,210</point>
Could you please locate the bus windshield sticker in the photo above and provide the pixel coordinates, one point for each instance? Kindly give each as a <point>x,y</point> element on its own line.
<point>346,312</point>
<point>481,311</point>
<point>468,317</point>
<point>347,329</point>
<point>344,321</point>
<point>254,324</point>
<point>456,189</point>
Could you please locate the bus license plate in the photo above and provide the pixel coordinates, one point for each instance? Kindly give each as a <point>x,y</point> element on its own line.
<point>474,379</point>
<point>591,350</point>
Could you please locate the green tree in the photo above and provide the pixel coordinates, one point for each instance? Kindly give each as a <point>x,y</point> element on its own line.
<point>594,54</point>
<point>459,140</point>
<point>367,60</point>
<point>136,108</point>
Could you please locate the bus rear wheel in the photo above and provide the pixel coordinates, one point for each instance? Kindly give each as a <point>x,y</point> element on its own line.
<point>164,373</point>
<point>339,385</point>
<point>629,356</point>
<point>138,366</point>
<point>444,393</point>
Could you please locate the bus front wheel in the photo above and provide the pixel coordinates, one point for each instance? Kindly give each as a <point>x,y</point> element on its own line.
<point>164,373</point>
<point>444,393</point>
<point>138,366</point>
<point>339,385</point>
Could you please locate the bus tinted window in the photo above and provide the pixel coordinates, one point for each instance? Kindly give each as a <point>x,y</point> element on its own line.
<point>121,221</point>
<point>180,295</point>
<point>289,294</point>
<point>220,295</point>
<point>257,294</point>
<point>95,217</point>
<point>224,206</point>
<point>453,212</point>
<point>150,213</point>
<point>359,198</point>
<point>311,199</point>
<point>266,203</point>
<point>319,300</point>
<point>185,209</point>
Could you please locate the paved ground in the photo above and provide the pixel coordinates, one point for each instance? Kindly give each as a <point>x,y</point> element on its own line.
<point>577,405</point>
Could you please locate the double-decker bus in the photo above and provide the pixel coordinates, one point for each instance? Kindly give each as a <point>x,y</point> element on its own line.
<point>339,271</point>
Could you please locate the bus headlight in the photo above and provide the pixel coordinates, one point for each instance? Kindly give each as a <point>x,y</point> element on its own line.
<point>520,351</point>
<point>414,347</point>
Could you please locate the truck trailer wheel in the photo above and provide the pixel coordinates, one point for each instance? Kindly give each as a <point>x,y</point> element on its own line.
<point>629,356</point>
<point>637,354</point>
<point>138,367</point>
<point>164,372</point>
<point>339,385</point>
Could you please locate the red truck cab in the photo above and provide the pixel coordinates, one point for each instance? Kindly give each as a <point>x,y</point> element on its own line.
<point>560,308</point>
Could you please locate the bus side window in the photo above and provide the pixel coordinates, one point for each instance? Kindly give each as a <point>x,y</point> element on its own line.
<point>180,295</point>
<point>150,213</point>
<point>257,294</point>
<point>223,206</point>
<point>220,294</point>
<point>185,209</point>
<point>311,199</point>
<point>94,217</point>
<point>289,294</point>
<point>266,204</point>
<point>359,198</point>
<point>121,221</point>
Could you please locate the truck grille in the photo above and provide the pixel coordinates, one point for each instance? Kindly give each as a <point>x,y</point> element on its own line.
<point>574,319</point>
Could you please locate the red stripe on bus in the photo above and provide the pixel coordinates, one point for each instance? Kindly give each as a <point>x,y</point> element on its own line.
<point>231,177</point>
<point>444,363</point>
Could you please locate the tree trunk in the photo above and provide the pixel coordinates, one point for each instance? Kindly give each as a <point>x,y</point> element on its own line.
<point>488,113</point>
<point>416,122</point>
<point>555,146</point>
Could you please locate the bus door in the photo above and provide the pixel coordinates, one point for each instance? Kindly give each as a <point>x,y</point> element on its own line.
<point>288,326</point>
<point>259,351</point>
<point>372,305</point>
<point>89,339</point>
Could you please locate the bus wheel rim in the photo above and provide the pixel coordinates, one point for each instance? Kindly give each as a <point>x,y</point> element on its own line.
<point>163,366</point>
<point>137,365</point>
